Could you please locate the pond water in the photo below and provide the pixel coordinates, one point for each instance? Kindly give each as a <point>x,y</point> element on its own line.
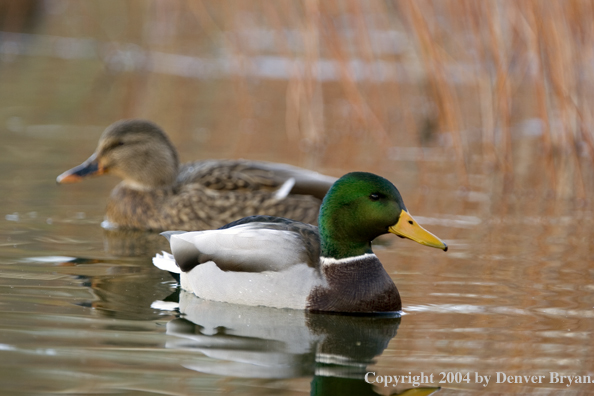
<point>83,310</point>
<point>509,309</point>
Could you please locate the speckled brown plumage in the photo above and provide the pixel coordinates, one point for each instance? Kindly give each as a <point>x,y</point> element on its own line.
<point>158,194</point>
<point>193,207</point>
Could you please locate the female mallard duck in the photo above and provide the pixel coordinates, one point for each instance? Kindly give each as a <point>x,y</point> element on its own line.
<point>158,194</point>
<point>276,262</point>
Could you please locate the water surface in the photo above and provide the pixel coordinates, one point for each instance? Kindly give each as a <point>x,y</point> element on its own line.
<point>84,311</point>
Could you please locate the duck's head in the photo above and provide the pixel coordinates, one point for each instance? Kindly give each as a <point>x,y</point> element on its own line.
<point>361,206</point>
<point>137,151</point>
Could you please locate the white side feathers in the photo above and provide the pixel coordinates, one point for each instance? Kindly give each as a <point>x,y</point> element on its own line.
<point>166,262</point>
<point>285,189</point>
<point>288,288</point>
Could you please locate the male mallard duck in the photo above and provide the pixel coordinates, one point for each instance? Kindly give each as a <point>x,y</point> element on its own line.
<point>276,262</point>
<point>158,194</point>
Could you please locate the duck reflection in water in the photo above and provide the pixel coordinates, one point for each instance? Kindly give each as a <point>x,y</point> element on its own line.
<point>261,342</point>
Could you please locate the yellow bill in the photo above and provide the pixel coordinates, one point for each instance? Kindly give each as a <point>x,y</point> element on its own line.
<point>407,227</point>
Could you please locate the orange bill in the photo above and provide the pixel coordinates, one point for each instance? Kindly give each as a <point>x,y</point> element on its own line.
<point>407,227</point>
<point>90,167</point>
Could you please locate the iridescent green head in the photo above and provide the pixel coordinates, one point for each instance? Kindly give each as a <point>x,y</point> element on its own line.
<point>358,208</point>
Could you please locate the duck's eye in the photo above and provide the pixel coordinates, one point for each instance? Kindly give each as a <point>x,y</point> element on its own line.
<point>410,222</point>
<point>374,197</point>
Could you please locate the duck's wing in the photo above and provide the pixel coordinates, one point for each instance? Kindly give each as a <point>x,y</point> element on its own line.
<point>307,182</point>
<point>193,207</point>
<point>308,234</point>
<point>249,246</point>
<point>254,175</point>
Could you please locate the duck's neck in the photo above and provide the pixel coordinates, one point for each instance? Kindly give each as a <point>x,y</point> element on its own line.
<point>151,177</point>
<point>140,209</point>
<point>338,244</point>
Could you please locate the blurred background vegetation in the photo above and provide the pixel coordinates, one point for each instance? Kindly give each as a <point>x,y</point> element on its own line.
<point>489,87</point>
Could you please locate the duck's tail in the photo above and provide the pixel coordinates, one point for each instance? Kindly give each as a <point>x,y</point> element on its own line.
<point>166,262</point>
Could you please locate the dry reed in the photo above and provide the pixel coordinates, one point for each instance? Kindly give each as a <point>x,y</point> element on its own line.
<point>359,76</point>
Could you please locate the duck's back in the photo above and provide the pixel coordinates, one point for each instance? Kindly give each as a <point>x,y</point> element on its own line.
<point>238,175</point>
<point>210,194</point>
<point>197,208</point>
